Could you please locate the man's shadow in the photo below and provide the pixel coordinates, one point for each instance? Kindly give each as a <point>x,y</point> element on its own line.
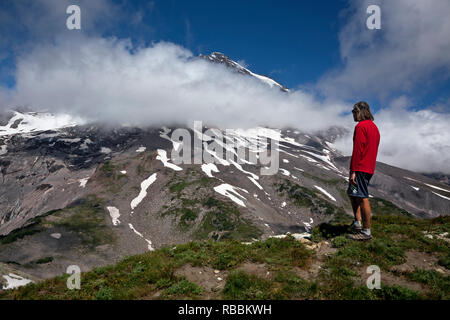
<point>328,230</point>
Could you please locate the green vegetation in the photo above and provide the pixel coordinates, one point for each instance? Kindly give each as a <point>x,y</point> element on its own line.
<point>111,177</point>
<point>381,207</point>
<point>304,197</point>
<point>192,177</point>
<point>199,212</point>
<point>142,276</point>
<point>212,219</point>
<point>85,218</point>
<point>178,187</point>
<point>33,226</point>
<point>445,261</point>
<point>188,215</point>
<point>43,260</point>
<point>241,285</point>
<point>393,236</point>
<point>21,233</point>
<point>294,287</point>
<point>333,182</point>
<point>152,275</point>
<point>219,229</point>
<point>182,288</point>
<point>108,169</point>
<point>223,221</point>
<point>440,284</point>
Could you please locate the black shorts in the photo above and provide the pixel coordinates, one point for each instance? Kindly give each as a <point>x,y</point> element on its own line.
<point>361,189</point>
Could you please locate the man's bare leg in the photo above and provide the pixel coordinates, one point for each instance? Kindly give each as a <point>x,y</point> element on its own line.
<point>365,212</point>
<point>356,205</point>
<point>361,209</point>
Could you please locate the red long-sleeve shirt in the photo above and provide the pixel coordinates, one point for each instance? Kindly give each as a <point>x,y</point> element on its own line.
<point>366,139</point>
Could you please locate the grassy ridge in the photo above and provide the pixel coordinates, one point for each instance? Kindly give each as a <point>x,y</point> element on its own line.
<point>141,276</point>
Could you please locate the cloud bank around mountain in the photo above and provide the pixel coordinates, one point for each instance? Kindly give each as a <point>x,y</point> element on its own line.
<point>111,80</point>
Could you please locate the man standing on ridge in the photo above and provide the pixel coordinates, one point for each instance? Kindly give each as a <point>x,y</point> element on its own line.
<point>366,140</point>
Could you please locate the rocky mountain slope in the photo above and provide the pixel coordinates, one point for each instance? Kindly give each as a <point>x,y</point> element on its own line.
<point>89,195</point>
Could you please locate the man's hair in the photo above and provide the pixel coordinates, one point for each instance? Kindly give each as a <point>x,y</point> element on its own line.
<point>362,110</point>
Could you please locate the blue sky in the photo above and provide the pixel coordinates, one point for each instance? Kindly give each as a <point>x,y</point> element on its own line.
<point>295,42</point>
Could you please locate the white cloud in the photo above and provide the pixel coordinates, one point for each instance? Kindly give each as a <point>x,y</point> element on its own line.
<point>411,51</point>
<point>108,80</point>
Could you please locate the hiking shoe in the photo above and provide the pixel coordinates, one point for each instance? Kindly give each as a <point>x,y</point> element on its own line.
<point>360,236</point>
<point>354,228</point>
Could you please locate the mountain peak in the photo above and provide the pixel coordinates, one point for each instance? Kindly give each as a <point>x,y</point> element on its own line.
<point>221,58</point>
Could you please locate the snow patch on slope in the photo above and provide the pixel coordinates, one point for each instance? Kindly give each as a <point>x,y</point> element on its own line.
<point>208,168</point>
<point>15,281</point>
<point>230,191</point>
<point>83,182</point>
<point>35,121</point>
<point>144,186</point>
<point>162,156</point>
<point>105,150</point>
<point>149,243</point>
<point>437,188</point>
<point>440,195</point>
<point>256,183</point>
<point>115,214</point>
<point>325,193</point>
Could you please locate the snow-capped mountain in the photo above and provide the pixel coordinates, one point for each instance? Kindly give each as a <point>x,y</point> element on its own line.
<point>218,57</point>
<point>84,194</point>
<point>25,122</point>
